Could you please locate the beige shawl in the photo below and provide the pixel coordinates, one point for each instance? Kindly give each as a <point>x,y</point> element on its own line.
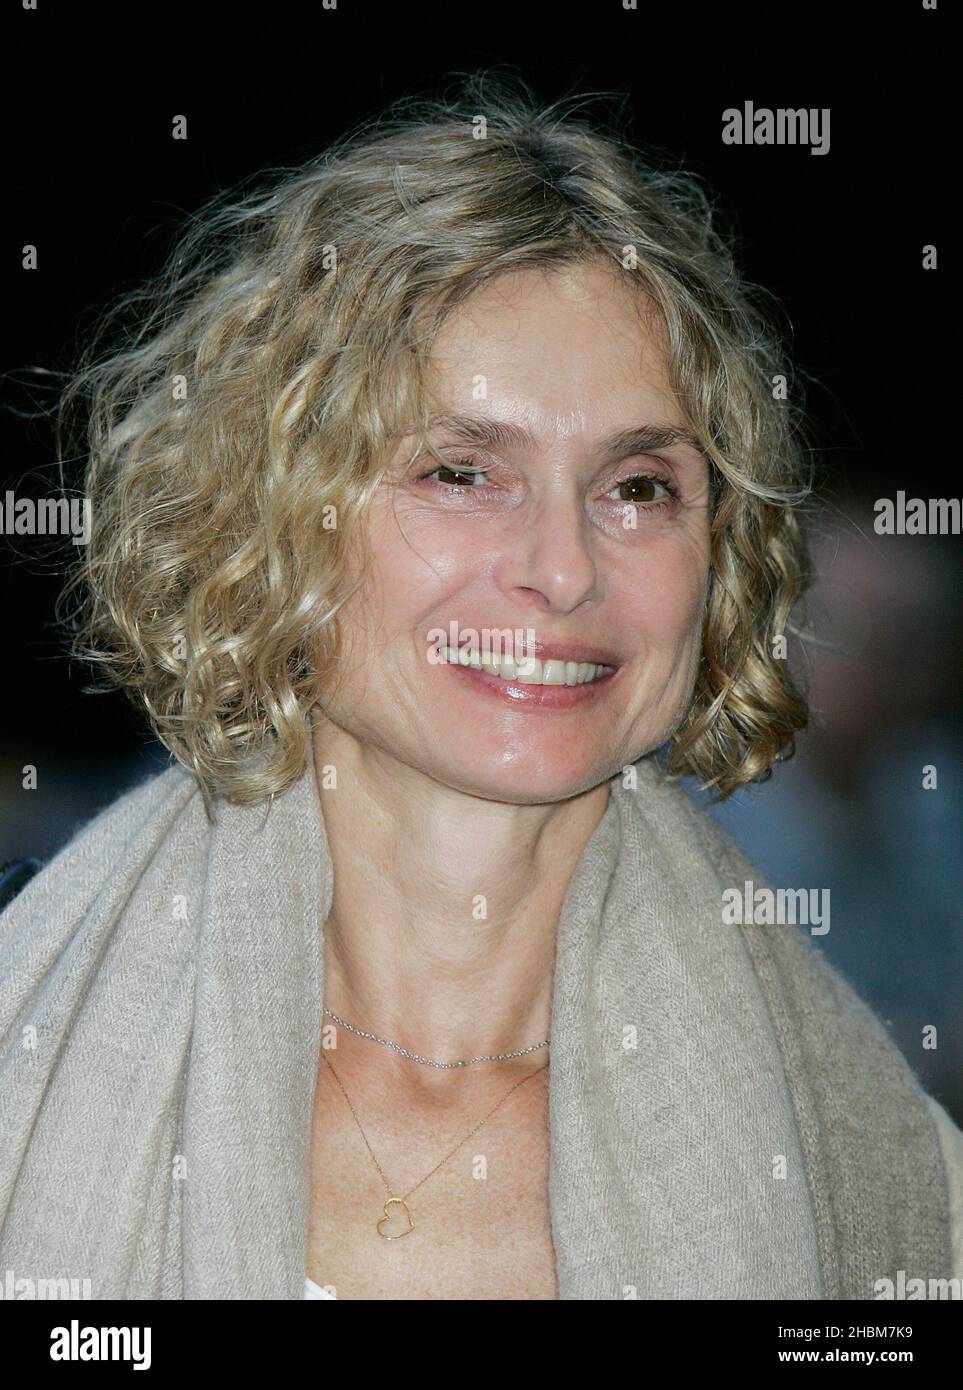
<point>727,1120</point>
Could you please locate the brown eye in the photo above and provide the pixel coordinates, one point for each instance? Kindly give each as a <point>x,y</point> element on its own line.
<point>641,491</point>
<point>637,490</point>
<point>459,474</point>
<point>448,476</point>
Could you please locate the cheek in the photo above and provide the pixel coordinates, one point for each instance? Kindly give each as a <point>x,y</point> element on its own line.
<point>421,559</point>
<point>664,597</point>
<point>414,565</point>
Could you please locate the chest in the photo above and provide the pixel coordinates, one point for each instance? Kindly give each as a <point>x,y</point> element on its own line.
<point>480,1225</point>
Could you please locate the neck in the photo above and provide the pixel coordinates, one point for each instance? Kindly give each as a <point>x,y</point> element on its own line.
<point>441,934</point>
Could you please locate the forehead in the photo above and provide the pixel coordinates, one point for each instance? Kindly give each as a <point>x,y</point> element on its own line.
<point>570,347</point>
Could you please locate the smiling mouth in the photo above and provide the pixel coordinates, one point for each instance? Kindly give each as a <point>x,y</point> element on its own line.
<point>529,670</point>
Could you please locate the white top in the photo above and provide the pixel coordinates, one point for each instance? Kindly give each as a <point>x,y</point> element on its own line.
<point>313,1290</point>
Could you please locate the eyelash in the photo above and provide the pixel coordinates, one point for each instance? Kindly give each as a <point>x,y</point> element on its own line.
<point>469,468</point>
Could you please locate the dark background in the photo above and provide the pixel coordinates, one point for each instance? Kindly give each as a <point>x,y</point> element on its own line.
<point>100,187</point>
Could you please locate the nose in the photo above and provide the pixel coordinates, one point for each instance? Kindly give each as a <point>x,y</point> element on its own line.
<point>548,561</point>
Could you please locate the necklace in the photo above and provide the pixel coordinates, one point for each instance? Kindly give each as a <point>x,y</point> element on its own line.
<point>426,1061</point>
<point>402,1202</point>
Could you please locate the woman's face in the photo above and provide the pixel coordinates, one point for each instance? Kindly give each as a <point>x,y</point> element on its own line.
<point>537,531</point>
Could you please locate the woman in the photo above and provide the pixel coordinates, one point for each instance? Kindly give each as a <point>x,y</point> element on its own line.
<point>442,489</point>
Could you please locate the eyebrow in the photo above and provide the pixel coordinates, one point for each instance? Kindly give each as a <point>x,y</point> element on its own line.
<point>500,434</point>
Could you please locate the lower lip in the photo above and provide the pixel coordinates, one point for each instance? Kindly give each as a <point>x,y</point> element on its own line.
<point>533,697</point>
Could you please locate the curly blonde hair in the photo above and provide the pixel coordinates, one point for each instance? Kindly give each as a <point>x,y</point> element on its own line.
<point>232,443</point>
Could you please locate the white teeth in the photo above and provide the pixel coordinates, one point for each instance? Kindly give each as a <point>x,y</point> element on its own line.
<point>527,671</point>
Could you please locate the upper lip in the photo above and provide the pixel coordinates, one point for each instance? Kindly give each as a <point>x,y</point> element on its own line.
<point>560,651</point>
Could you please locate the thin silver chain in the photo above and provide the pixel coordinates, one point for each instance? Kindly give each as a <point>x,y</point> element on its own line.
<point>427,1061</point>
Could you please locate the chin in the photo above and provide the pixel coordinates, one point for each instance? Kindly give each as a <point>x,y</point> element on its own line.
<point>522,785</point>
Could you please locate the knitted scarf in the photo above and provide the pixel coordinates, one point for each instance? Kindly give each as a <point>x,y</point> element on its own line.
<point>727,1119</point>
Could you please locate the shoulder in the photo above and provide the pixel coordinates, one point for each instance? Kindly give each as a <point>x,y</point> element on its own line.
<point>122,833</point>
<point>87,939</point>
<point>14,876</point>
<point>846,1071</point>
<point>700,844</point>
<point>951,1147</point>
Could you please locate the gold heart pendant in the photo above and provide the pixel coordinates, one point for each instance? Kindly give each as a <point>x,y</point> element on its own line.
<point>397,1201</point>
